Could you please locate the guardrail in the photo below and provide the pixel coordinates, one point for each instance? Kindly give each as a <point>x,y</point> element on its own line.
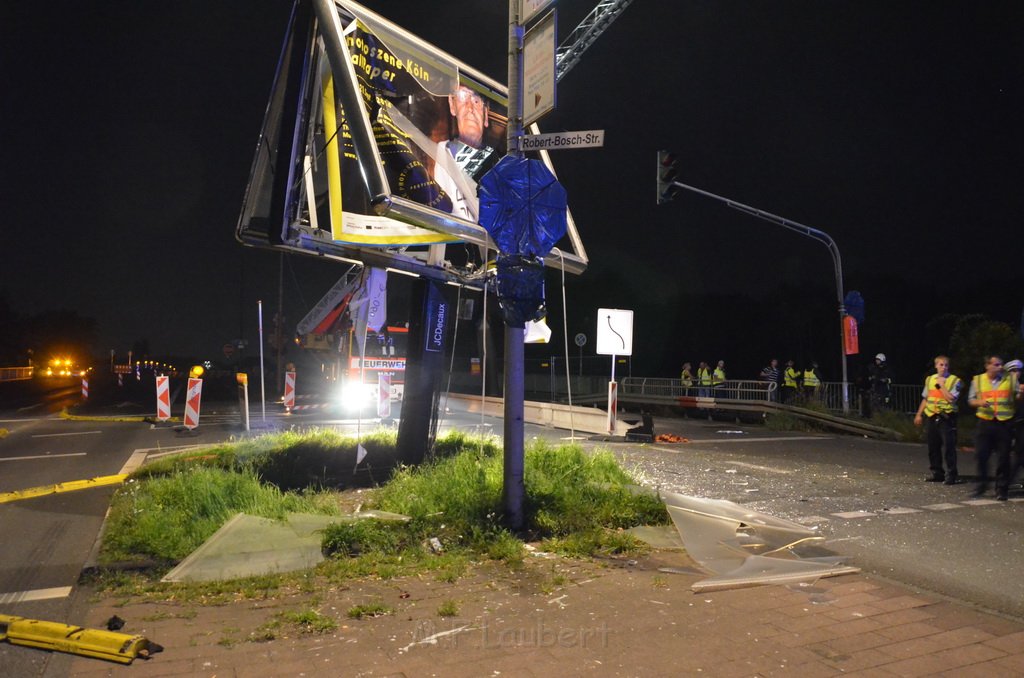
<point>734,390</point>
<point>15,373</point>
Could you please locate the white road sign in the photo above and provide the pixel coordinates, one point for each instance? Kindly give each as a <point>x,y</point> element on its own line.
<point>593,138</point>
<point>614,332</point>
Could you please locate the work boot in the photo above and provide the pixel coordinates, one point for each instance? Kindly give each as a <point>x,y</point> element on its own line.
<point>935,478</point>
<point>979,491</point>
<point>950,479</point>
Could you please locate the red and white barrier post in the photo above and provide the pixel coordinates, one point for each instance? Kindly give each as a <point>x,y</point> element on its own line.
<point>383,395</point>
<point>289,391</point>
<point>163,399</point>
<point>195,394</point>
<point>85,388</point>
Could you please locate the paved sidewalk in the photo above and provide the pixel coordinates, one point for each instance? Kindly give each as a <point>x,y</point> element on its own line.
<point>557,617</point>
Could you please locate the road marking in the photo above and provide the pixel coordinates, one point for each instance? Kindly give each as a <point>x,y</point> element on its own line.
<point>37,594</point>
<point>980,502</point>
<point>811,520</point>
<point>44,456</point>
<point>767,469</point>
<point>134,462</point>
<point>901,509</point>
<point>854,515</point>
<point>943,507</point>
<point>758,440</point>
<point>18,421</point>
<point>58,435</point>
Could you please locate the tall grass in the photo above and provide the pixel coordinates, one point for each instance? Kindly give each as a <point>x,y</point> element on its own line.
<point>170,507</point>
<point>168,517</point>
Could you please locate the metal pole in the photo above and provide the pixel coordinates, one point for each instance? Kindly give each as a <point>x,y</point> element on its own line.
<point>263,387</point>
<point>820,236</point>
<point>514,491</point>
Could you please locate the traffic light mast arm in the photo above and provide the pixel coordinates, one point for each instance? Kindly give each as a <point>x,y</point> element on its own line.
<point>665,188</point>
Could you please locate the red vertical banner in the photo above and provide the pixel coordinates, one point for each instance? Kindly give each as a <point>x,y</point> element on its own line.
<point>195,394</point>
<point>163,399</point>
<point>289,390</point>
<point>851,343</point>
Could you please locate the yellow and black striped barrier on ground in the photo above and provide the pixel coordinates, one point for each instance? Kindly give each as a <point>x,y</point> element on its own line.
<point>70,486</point>
<point>54,636</point>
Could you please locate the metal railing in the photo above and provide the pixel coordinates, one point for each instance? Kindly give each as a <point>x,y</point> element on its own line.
<point>15,373</point>
<point>674,388</point>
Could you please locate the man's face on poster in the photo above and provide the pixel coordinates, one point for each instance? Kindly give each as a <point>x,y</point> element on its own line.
<point>470,112</point>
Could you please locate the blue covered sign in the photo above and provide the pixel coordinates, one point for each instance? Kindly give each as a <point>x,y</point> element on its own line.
<point>522,207</point>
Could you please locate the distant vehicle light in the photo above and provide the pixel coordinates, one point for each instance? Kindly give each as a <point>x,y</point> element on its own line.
<point>355,396</point>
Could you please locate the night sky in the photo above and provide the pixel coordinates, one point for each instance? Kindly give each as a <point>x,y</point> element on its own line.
<point>894,126</point>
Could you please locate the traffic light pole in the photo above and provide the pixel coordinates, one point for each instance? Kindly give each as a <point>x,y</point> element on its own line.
<point>820,236</point>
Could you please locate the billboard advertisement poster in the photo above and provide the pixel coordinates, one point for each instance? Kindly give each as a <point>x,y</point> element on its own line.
<point>436,129</point>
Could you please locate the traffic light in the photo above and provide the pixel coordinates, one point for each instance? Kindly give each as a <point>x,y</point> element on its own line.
<point>667,171</point>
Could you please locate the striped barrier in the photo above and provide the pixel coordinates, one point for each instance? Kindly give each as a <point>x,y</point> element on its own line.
<point>163,399</point>
<point>192,399</point>
<point>85,389</point>
<point>289,390</point>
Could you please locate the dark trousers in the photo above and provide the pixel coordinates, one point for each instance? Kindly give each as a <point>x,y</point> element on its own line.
<point>994,436</point>
<point>940,432</point>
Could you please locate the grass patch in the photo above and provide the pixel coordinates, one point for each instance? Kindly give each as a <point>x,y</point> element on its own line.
<point>375,609</point>
<point>169,516</point>
<point>448,608</point>
<point>578,502</point>
<point>310,621</point>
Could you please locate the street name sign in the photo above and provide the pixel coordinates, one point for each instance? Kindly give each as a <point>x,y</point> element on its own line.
<point>593,138</point>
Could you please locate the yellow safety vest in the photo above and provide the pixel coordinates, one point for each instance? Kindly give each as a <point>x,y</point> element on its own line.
<point>719,377</point>
<point>704,376</point>
<point>687,378</point>
<point>1000,395</point>
<point>934,402</point>
<point>810,378</point>
<point>789,378</point>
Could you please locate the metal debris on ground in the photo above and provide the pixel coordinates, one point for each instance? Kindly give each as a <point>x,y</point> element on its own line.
<point>116,647</point>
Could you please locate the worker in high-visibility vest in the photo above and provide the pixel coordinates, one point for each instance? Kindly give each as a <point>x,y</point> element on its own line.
<point>703,379</point>
<point>995,394</point>
<point>789,382</point>
<point>686,376</point>
<point>938,412</point>
<point>718,376</point>
<point>811,382</point>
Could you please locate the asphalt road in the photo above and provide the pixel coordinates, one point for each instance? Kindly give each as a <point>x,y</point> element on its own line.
<point>893,523</point>
<point>867,498</point>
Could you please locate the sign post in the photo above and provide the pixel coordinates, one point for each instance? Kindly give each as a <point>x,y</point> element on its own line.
<point>614,338</point>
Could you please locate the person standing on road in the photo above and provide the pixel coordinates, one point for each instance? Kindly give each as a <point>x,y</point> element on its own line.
<point>718,376</point>
<point>1017,428</point>
<point>703,379</point>
<point>811,382</point>
<point>880,378</point>
<point>770,375</point>
<point>789,383</point>
<point>686,378</point>
<point>937,411</point>
<point>994,393</point>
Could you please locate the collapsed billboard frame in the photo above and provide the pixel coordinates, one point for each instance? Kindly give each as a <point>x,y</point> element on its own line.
<point>366,156</point>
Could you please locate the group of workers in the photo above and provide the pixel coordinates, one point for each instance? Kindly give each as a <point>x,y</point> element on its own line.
<point>706,377</point>
<point>995,395</point>
<point>791,382</point>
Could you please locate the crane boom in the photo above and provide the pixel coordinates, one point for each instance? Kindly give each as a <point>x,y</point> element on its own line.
<point>584,35</point>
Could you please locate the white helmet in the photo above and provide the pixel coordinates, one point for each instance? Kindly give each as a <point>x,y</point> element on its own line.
<point>1014,365</point>
<point>880,356</point>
